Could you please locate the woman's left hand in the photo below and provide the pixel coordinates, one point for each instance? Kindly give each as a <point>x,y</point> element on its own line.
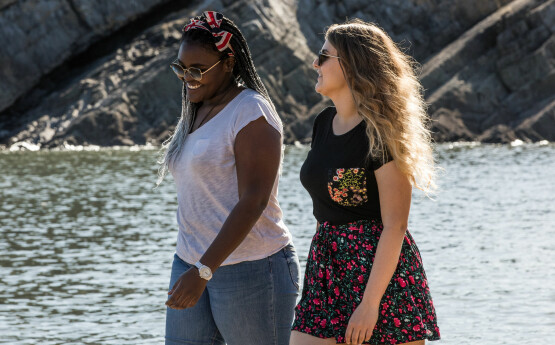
<point>187,290</point>
<point>361,324</point>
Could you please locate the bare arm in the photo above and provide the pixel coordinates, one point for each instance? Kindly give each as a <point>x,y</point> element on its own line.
<point>395,197</point>
<point>257,154</point>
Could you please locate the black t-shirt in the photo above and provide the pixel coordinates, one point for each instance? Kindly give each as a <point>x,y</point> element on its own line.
<point>337,174</point>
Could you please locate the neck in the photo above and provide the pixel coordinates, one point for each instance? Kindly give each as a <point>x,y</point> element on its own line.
<point>222,92</point>
<point>345,105</point>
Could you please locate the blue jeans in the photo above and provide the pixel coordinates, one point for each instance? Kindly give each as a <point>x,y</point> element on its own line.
<point>249,303</point>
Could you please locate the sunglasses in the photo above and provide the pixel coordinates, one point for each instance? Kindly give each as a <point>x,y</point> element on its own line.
<point>193,72</point>
<point>322,57</point>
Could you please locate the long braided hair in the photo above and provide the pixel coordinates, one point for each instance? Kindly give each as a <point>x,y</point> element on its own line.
<point>244,72</point>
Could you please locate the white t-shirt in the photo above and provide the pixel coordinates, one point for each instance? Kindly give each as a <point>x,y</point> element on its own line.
<point>206,179</point>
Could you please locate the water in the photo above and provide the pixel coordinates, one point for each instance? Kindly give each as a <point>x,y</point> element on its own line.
<point>86,244</point>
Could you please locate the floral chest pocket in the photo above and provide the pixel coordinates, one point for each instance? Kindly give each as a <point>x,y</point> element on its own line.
<point>347,187</point>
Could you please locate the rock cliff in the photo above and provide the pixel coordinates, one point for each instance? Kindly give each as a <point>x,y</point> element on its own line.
<point>488,66</point>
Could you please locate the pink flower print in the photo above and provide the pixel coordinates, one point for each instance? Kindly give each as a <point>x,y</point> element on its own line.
<point>335,178</point>
<point>350,236</point>
<point>352,228</point>
<point>361,230</point>
<point>360,279</point>
<point>405,331</point>
<point>334,321</point>
<point>355,171</point>
<point>411,278</point>
<point>356,289</point>
<point>416,328</point>
<point>409,307</point>
<point>328,275</point>
<point>402,282</point>
<point>397,322</point>
<point>316,301</point>
<point>323,323</point>
<point>363,269</point>
<point>336,290</point>
<point>320,274</point>
<point>349,266</point>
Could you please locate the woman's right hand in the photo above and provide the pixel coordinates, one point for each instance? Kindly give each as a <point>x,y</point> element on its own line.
<point>187,290</point>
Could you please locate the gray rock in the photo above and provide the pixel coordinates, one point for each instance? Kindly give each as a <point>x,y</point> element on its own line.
<point>39,35</point>
<point>488,66</point>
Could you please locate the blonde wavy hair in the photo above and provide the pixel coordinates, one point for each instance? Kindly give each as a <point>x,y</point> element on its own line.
<point>389,98</point>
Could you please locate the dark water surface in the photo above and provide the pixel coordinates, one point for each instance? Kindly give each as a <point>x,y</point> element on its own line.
<point>86,244</point>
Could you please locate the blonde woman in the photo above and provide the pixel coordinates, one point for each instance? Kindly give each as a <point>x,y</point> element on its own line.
<point>364,280</point>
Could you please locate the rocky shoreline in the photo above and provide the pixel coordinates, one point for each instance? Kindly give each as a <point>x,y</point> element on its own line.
<point>488,67</point>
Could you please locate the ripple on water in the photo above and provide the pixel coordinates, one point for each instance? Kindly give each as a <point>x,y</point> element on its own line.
<point>87,243</point>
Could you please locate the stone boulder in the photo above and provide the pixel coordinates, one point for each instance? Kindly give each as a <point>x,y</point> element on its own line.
<point>498,78</point>
<point>36,36</point>
<point>487,69</point>
<point>132,97</point>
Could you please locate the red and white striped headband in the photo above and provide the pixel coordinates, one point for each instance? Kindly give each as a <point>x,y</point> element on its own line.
<point>211,21</point>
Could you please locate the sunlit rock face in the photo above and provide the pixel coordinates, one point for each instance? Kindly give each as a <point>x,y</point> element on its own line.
<point>496,82</point>
<point>96,72</point>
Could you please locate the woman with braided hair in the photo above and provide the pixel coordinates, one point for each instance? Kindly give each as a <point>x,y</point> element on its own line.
<point>235,275</point>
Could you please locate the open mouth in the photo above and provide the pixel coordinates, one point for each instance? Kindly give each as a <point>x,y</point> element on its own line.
<point>193,87</point>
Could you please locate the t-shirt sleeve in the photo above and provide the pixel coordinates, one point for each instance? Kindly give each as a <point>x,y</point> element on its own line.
<point>380,159</point>
<point>252,109</point>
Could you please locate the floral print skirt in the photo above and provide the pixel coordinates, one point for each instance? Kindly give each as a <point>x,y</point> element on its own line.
<point>337,269</point>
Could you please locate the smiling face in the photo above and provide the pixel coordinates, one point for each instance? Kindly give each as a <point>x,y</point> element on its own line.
<point>330,76</point>
<point>213,82</point>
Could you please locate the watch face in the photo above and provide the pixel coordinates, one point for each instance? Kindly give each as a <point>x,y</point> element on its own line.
<point>205,273</point>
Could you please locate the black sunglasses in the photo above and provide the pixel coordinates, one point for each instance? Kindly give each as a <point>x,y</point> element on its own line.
<point>322,57</point>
